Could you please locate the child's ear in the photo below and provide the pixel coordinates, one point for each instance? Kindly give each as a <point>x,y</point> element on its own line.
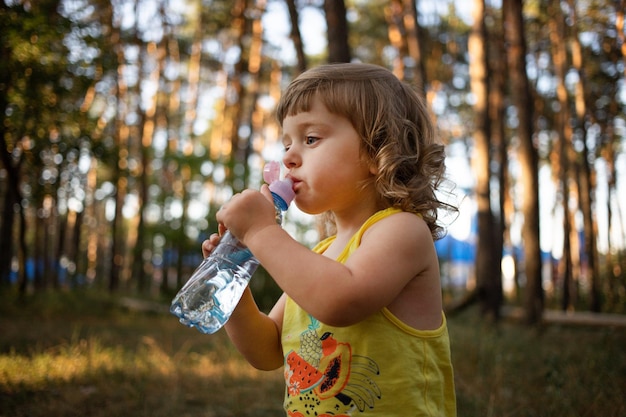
<point>373,167</point>
<point>370,162</point>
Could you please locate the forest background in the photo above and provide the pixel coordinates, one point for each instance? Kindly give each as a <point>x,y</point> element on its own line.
<point>126,124</point>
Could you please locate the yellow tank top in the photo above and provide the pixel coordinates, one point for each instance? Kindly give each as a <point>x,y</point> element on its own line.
<point>378,367</point>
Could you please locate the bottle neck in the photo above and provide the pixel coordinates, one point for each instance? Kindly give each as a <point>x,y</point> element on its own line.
<point>280,205</point>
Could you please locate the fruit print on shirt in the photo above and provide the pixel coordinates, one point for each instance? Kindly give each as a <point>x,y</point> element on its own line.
<point>325,378</point>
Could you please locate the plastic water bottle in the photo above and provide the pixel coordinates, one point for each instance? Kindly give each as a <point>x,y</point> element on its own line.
<point>208,299</point>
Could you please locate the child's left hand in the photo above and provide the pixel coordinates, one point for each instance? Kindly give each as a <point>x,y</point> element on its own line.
<point>211,243</point>
<point>248,212</point>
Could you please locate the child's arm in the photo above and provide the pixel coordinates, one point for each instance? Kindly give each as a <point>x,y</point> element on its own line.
<point>395,252</point>
<point>255,334</point>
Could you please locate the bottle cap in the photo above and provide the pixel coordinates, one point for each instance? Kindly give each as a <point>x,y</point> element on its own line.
<point>271,172</point>
<point>284,190</point>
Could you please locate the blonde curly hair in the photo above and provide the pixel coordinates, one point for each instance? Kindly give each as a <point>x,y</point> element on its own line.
<point>397,131</point>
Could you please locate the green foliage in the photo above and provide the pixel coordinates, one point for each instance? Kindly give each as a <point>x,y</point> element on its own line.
<point>81,82</point>
<point>43,96</point>
<point>368,31</point>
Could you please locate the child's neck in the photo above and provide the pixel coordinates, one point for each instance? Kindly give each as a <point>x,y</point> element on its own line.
<point>348,222</point>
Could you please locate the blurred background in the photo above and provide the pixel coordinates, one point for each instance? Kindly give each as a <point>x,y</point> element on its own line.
<point>125,124</point>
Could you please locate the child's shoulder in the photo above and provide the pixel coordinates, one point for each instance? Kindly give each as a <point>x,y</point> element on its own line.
<point>400,224</point>
<point>401,217</point>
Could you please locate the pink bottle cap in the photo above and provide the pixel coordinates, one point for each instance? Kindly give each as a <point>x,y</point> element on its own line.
<point>271,172</point>
<point>281,188</point>
<point>284,189</point>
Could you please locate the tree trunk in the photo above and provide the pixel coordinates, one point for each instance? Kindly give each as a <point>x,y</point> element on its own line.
<point>564,131</point>
<point>395,32</point>
<point>174,109</point>
<point>250,110</point>
<point>121,136</point>
<point>404,35</point>
<point>90,266</point>
<point>38,253</point>
<point>337,24</point>
<point>616,227</point>
<point>296,37</point>
<point>413,35</point>
<point>12,199</point>
<point>234,107</point>
<point>60,250</point>
<point>181,245</point>
<point>586,187</point>
<point>12,196</point>
<point>620,12</point>
<point>497,70</point>
<point>140,272</point>
<point>520,91</point>
<point>488,260</point>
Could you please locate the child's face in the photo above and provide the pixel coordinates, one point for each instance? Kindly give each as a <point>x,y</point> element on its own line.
<point>322,153</point>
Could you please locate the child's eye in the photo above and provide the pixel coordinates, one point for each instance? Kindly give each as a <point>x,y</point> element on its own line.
<point>310,140</point>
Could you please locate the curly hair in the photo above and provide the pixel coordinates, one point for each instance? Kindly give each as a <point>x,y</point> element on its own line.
<point>397,132</point>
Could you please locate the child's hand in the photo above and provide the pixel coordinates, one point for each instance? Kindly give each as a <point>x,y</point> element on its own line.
<point>248,212</point>
<point>210,244</point>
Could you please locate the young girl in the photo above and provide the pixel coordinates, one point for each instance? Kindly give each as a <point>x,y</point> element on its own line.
<point>359,328</point>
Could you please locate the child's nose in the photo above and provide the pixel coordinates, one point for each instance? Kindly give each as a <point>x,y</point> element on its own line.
<point>291,158</point>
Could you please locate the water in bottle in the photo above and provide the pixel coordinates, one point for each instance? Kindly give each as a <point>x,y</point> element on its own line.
<point>208,299</point>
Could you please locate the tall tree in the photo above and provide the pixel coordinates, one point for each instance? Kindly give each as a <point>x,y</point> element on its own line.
<point>155,57</point>
<point>11,159</point>
<point>564,135</point>
<point>584,161</point>
<point>620,19</point>
<point>514,33</point>
<point>337,24</point>
<point>296,36</point>
<point>121,136</point>
<point>499,140</point>
<point>405,35</point>
<point>415,43</point>
<point>488,260</point>
<point>616,261</point>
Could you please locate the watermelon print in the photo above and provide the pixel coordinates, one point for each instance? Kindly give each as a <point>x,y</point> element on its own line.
<point>320,377</point>
<point>300,375</point>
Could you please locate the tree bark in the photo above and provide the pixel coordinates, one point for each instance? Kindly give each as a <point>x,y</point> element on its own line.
<point>121,136</point>
<point>520,91</point>
<point>296,37</point>
<point>337,24</point>
<point>497,74</point>
<point>414,43</point>
<point>564,131</point>
<point>404,35</point>
<point>13,195</point>
<point>615,261</point>
<point>585,183</point>
<point>488,259</point>
<point>148,123</point>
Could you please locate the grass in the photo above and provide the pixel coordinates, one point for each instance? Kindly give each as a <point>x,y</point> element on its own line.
<point>83,355</point>
<point>87,357</point>
<point>555,371</point>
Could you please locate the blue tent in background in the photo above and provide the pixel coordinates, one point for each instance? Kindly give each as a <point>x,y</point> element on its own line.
<point>453,250</point>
